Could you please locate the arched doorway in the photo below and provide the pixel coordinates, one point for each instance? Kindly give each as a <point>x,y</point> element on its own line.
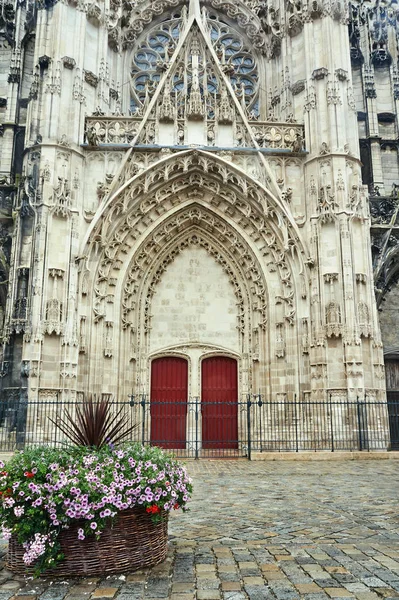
<point>169,380</point>
<point>219,402</point>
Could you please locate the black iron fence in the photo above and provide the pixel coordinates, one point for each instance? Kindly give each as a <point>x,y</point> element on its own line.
<point>195,429</point>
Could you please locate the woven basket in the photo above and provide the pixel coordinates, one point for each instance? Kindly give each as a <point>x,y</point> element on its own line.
<point>134,542</point>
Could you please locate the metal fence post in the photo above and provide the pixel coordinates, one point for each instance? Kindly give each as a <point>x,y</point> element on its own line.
<point>249,404</point>
<point>359,423</point>
<point>196,426</point>
<point>296,424</point>
<point>142,402</point>
<point>331,425</point>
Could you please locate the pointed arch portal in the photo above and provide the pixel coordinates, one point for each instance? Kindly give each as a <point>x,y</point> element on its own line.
<point>219,402</point>
<point>192,204</point>
<point>169,378</point>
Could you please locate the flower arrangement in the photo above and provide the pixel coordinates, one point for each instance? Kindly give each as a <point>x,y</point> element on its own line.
<point>45,490</point>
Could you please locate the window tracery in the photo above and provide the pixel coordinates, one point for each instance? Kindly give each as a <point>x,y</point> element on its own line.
<point>153,54</point>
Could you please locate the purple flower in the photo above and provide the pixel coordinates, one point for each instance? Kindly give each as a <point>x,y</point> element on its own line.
<point>93,525</point>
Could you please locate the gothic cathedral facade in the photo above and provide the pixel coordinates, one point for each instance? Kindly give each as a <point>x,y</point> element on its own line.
<point>184,179</point>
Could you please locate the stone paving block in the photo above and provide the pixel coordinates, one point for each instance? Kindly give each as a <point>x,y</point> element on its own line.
<point>327,582</point>
<point>356,587</point>
<point>208,584</point>
<point>182,587</point>
<point>226,561</point>
<point>135,591</point>
<point>104,593</point>
<point>157,587</point>
<point>385,592</point>
<point>228,586</point>
<point>205,568</point>
<point>229,576</point>
<point>207,575</point>
<point>338,592</point>
<point>307,588</point>
<point>247,565</point>
<point>254,581</point>
<point>374,582</point>
<point>234,596</point>
<point>10,586</point>
<point>269,567</point>
<point>344,577</point>
<point>208,595</point>
<point>270,576</point>
<point>54,593</point>
<point>258,593</point>
<point>82,589</point>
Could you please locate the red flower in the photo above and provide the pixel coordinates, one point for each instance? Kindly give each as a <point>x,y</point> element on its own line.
<point>29,474</point>
<point>3,473</point>
<point>153,509</point>
<point>176,506</point>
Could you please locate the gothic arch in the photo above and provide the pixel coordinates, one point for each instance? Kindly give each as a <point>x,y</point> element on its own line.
<point>184,199</point>
<point>244,274</point>
<point>136,181</point>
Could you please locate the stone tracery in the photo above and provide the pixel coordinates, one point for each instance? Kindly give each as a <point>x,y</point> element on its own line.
<point>153,54</point>
<point>241,203</point>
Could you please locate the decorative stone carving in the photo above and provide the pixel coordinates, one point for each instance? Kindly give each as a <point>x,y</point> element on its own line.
<point>310,99</point>
<point>91,78</point>
<point>333,320</point>
<point>53,320</point>
<point>341,74</point>
<point>108,338</point>
<point>280,340</point>
<point>332,92</point>
<point>330,277</point>
<point>68,62</point>
<point>62,199</point>
<point>320,73</point>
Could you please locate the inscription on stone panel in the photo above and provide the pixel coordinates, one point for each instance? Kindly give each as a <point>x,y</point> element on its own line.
<point>194,302</point>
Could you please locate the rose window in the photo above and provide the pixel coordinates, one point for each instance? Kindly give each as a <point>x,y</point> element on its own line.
<point>151,58</point>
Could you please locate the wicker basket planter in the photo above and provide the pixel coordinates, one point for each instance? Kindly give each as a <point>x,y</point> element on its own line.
<point>134,542</point>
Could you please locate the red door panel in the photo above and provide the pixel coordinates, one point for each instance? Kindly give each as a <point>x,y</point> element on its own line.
<point>219,402</point>
<point>169,377</point>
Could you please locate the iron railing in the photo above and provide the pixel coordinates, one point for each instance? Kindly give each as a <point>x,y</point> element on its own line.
<point>195,429</point>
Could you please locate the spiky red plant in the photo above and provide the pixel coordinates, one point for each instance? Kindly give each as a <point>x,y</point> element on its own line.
<point>95,424</point>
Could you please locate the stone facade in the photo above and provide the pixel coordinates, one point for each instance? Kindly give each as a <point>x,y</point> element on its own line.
<point>185,178</point>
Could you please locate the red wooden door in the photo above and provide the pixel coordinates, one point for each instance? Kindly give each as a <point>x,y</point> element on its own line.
<point>169,402</point>
<point>219,402</point>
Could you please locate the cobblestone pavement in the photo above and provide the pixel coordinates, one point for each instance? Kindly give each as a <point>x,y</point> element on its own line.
<point>264,531</point>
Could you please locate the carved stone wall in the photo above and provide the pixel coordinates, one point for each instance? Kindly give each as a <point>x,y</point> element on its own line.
<point>190,182</point>
<point>373,36</point>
